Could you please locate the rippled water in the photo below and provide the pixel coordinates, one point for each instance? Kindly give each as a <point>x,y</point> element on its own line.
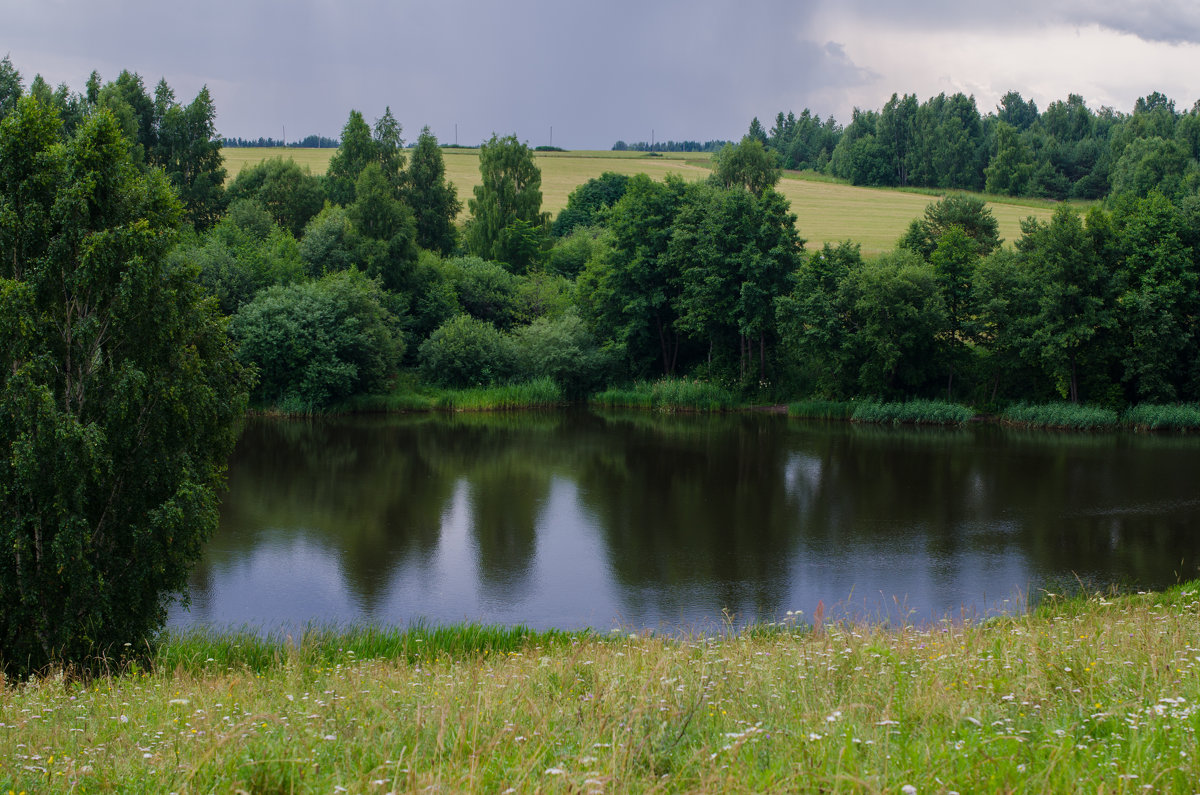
<point>576,519</point>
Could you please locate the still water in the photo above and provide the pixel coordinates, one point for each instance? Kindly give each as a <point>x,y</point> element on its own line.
<point>578,519</point>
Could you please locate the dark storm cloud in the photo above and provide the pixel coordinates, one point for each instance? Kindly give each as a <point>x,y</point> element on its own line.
<point>595,72</point>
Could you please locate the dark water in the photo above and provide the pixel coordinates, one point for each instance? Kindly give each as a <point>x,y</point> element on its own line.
<point>636,520</point>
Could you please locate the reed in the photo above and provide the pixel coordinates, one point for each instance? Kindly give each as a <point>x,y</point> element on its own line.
<point>670,395</point>
<point>912,412</point>
<point>1070,416</point>
<point>817,409</point>
<point>535,394</point>
<point>1151,417</point>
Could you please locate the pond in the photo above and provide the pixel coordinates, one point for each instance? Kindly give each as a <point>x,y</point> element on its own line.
<point>680,523</point>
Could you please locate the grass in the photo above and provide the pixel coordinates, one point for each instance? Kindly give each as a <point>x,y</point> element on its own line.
<point>817,409</point>
<point>827,210</point>
<point>1069,416</point>
<point>1148,417</point>
<point>1094,694</point>
<point>912,412</point>
<point>668,394</point>
<point>537,393</point>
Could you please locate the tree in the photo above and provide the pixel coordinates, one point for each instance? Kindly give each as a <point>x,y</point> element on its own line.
<point>189,150</point>
<point>1011,171</point>
<point>433,200</point>
<point>507,208</point>
<point>386,224</point>
<point>748,165</point>
<point>953,264</point>
<point>291,194</point>
<point>465,351</point>
<point>10,87</point>
<point>118,392</point>
<point>356,150</point>
<point>318,342</point>
<point>969,213</point>
<point>389,149</point>
<point>588,201</point>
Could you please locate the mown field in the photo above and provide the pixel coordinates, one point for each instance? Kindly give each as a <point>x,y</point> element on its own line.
<point>1097,695</point>
<point>826,211</point>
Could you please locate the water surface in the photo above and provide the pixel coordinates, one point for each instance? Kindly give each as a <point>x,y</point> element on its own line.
<point>577,519</point>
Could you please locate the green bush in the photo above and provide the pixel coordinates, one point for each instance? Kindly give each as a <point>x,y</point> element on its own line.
<point>1060,415</point>
<point>465,351</point>
<point>319,342</point>
<point>562,349</point>
<point>1154,418</point>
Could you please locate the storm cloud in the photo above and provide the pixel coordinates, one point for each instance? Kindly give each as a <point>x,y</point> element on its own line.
<point>597,71</point>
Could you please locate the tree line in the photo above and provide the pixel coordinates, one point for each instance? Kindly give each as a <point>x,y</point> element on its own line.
<point>1065,151</point>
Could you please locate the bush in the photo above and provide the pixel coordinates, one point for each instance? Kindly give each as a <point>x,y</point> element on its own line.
<point>465,351</point>
<point>318,342</point>
<point>562,349</point>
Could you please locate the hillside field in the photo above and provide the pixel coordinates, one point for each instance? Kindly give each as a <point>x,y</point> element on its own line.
<point>826,211</point>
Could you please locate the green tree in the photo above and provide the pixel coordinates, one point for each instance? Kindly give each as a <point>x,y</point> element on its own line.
<point>118,392</point>
<point>433,200</point>
<point>388,248</point>
<point>465,351</point>
<point>389,149</point>
<point>1011,170</point>
<point>356,150</point>
<point>815,322</point>
<point>588,201</point>
<point>318,342</point>
<point>10,87</point>
<point>507,208</point>
<point>188,149</point>
<point>748,165</point>
<point>968,213</point>
<point>953,264</point>
<point>1072,265</point>
<point>291,194</point>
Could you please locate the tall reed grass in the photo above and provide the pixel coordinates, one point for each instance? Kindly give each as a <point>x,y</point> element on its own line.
<point>535,394</point>
<point>912,412</point>
<point>668,394</point>
<point>1070,416</point>
<point>1150,417</point>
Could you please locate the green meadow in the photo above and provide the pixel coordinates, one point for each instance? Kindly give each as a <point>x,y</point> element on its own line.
<point>1096,694</point>
<point>826,211</point>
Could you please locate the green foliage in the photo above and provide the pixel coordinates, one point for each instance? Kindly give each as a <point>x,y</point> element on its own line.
<point>571,253</point>
<point>330,243</point>
<point>564,350</point>
<point>318,342</point>
<point>118,393</point>
<point>968,213</point>
<point>356,150</point>
<point>537,393</point>
<point>188,149</point>
<point>10,87</point>
<point>748,165</point>
<point>817,409</point>
<point>1159,164</point>
<point>586,203</point>
<point>912,412</point>
<point>465,352</point>
<point>1060,415</point>
<point>243,254</point>
<point>432,199</point>
<point>387,247</point>
<point>669,394</point>
<point>507,223</point>
<point>291,194</point>
<point>1150,417</point>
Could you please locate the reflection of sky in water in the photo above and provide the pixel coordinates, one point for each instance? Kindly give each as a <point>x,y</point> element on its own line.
<point>983,547</point>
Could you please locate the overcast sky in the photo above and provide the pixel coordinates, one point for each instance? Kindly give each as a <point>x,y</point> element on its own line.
<point>602,70</point>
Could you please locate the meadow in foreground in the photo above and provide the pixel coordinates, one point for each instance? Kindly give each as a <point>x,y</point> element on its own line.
<point>1094,695</point>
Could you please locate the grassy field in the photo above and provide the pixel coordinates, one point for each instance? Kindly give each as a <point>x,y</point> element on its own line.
<point>1095,695</point>
<point>826,211</point>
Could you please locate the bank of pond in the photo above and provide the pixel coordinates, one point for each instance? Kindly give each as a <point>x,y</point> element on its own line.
<point>680,395</point>
<point>1094,693</point>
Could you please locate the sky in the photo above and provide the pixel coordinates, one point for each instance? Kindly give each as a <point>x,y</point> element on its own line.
<point>584,74</point>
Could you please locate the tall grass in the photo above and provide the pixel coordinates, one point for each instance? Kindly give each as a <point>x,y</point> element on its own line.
<point>668,394</point>
<point>912,412</point>
<point>1151,417</point>
<point>537,393</point>
<point>816,409</point>
<point>1095,694</point>
<point>1060,415</point>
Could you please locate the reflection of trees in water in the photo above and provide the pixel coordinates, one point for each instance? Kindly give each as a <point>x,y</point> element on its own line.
<point>723,506</point>
<point>694,504</point>
<point>344,484</point>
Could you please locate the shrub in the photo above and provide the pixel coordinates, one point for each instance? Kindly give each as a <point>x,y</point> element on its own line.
<point>465,351</point>
<point>318,342</point>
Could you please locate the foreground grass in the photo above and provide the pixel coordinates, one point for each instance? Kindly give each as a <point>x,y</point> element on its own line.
<point>1097,695</point>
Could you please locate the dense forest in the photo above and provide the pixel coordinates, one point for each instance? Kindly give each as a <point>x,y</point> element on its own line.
<point>1067,151</point>
<point>333,283</point>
